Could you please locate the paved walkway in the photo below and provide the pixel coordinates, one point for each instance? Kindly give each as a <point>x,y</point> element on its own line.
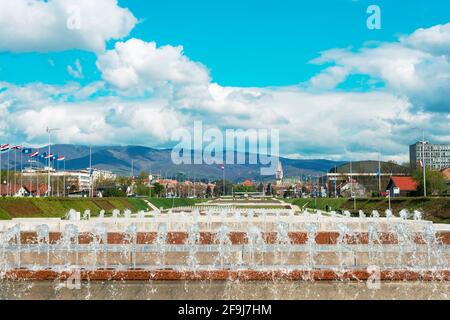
<point>151,205</point>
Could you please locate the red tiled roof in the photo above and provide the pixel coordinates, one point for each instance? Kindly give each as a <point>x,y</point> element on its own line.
<point>166,181</point>
<point>31,188</point>
<point>446,173</point>
<point>405,183</point>
<point>13,189</point>
<point>248,183</point>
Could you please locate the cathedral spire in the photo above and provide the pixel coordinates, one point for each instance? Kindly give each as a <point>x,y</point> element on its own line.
<point>279,176</point>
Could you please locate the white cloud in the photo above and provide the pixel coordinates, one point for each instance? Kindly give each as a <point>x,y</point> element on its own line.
<point>58,25</point>
<point>435,39</point>
<point>417,67</point>
<point>329,78</point>
<point>103,121</point>
<point>142,66</point>
<point>332,125</point>
<point>148,91</point>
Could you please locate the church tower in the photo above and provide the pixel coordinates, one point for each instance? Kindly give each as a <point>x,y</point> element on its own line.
<point>279,176</point>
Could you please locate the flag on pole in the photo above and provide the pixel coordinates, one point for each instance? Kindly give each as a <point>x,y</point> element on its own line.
<point>48,156</point>
<point>4,147</point>
<point>421,163</point>
<point>61,158</point>
<point>16,148</point>
<point>34,154</point>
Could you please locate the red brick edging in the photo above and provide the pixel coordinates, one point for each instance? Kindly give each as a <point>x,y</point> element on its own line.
<point>235,237</point>
<point>221,275</point>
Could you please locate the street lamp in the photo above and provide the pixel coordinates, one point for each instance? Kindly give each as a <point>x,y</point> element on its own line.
<point>423,160</point>
<point>49,131</point>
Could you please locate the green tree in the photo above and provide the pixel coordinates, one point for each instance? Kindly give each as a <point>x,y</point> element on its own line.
<point>260,187</point>
<point>209,192</point>
<point>157,189</point>
<point>114,192</point>
<point>241,188</point>
<point>142,190</point>
<point>121,180</point>
<point>218,190</point>
<point>143,176</point>
<point>435,182</point>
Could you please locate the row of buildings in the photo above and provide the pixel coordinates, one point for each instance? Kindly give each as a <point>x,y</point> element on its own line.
<point>353,179</point>
<point>358,179</point>
<point>46,181</point>
<point>367,178</point>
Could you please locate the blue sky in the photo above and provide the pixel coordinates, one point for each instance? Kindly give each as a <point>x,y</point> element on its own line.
<point>237,56</point>
<point>243,43</point>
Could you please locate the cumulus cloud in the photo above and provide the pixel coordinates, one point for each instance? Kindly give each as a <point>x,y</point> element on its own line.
<point>332,125</point>
<point>31,108</point>
<point>435,39</point>
<point>142,66</point>
<point>57,25</point>
<point>417,67</point>
<point>147,91</point>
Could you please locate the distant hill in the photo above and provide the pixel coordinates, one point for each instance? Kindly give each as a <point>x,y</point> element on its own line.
<point>371,166</point>
<point>118,159</point>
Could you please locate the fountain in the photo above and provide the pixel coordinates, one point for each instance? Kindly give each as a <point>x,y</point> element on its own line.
<point>226,243</point>
<point>73,215</point>
<point>87,215</point>
<point>312,233</point>
<point>191,242</point>
<point>161,243</point>
<point>254,243</point>
<point>417,215</point>
<point>361,214</point>
<point>388,214</point>
<point>404,214</point>
<point>115,213</point>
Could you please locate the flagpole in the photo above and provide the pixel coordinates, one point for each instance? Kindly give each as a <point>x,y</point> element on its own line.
<point>57,180</point>
<point>351,186</point>
<point>7,176</point>
<point>424,165</point>
<point>48,163</point>
<point>21,168</point>
<point>335,180</point>
<point>38,193</point>
<point>379,173</point>
<point>223,179</point>
<point>30,178</point>
<point>91,190</point>
<point>1,180</point>
<point>49,131</point>
<point>15,167</point>
<point>64,192</point>
<point>351,182</point>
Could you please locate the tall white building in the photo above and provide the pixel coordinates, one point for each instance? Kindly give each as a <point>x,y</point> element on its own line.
<point>435,156</point>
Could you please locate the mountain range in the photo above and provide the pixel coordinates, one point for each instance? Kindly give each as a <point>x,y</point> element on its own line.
<point>121,159</point>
